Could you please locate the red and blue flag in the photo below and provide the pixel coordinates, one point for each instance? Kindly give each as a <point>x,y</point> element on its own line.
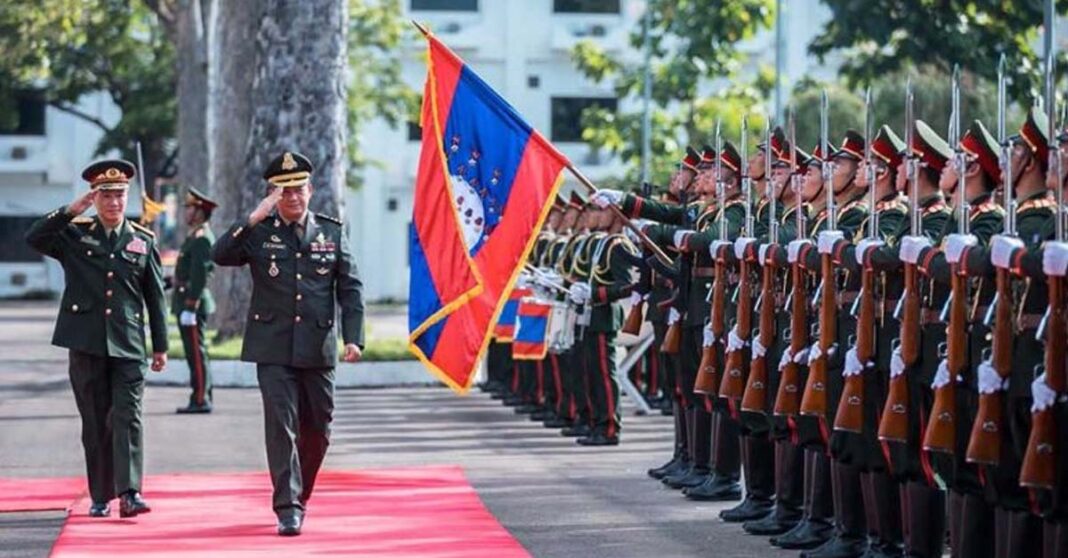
<point>532,330</point>
<point>485,185</point>
<point>504,331</point>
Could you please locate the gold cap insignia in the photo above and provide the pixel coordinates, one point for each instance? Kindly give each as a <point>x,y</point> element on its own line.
<point>288,163</point>
<point>112,173</point>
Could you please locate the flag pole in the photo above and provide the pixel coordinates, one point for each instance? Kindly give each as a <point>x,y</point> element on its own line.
<point>660,255</point>
<point>421,28</point>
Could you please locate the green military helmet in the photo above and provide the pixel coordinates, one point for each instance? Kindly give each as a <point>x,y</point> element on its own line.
<point>887,146</point>
<point>932,150</point>
<point>978,143</point>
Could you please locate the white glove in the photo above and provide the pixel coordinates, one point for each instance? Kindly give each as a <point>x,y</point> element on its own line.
<point>827,240</point>
<point>762,253</point>
<point>1044,398</point>
<point>605,198</point>
<point>758,349</point>
<point>814,353</point>
<point>989,380</point>
<point>864,246</point>
<point>523,281</point>
<point>941,377</point>
<point>1001,249</point>
<point>853,366</point>
<point>635,298</point>
<point>793,250</point>
<point>579,293</point>
<point>1055,259</point>
<point>716,246</point>
<point>740,246</point>
<point>673,317</point>
<point>734,340</point>
<point>633,236</point>
<point>679,239</point>
<point>911,246</point>
<point>897,363</point>
<point>187,318</point>
<point>708,338</point>
<point>785,360</point>
<point>955,245</point>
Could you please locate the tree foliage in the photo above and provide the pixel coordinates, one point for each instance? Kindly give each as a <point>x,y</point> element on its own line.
<point>691,42</point>
<point>880,37</point>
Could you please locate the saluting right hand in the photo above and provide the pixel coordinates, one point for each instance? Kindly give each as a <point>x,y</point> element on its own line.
<point>265,207</point>
<point>82,203</point>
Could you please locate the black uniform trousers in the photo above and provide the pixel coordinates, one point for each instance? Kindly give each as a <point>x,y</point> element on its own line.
<point>196,356</point>
<point>108,392</point>
<point>603,385</point>
<point>298,406</point>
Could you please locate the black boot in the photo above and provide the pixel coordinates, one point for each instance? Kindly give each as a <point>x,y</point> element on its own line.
<point>715,488</point>
<point>1018,534</point>
<point>682,456</point>
<point>815,527</point>
<point>883,495</point>
<point>699,430</point>
<point>1055,539</point>
<point>849,540</point>
<point>976,528</point>
<point>758,464</point>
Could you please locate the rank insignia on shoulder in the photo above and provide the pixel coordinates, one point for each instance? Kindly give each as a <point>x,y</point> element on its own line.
<point>137,246</point>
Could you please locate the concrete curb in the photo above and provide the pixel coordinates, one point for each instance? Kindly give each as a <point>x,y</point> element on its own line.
<point>235,373</point>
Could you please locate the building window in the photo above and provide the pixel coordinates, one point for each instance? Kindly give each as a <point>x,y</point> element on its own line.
<point>16,227</point>
<point>415,131</point>
<point>447,5</point>
<point>28,118</point>
<point>586,6</point>
<point>567,115</point>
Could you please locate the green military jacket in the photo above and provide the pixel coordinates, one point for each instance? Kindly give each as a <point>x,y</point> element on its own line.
<point>297,285</point>
<point>109,288</point>
<point>193,271</point>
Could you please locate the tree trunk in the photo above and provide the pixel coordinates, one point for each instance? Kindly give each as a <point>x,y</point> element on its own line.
<point>191,37</point>
<point>278,83</point>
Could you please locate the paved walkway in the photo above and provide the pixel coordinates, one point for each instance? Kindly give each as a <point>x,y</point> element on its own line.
<point>558,499</point>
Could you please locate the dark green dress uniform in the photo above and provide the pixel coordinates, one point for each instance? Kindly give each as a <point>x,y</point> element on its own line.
<point>301,274</point>
<point>113,283</point>
<point>192,272</point>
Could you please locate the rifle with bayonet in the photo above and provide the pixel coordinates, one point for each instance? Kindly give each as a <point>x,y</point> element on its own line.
<point>755,397</point>
<point>814,400</point>
<point>941,428</point>
<point>633,324</point>
<point>708,379</point>
<point>894,422</point>
<point>984,444</point>
<point>732,384</point>
<point>1040,464</point>
<point>850,415</point>
<point>673,337</point>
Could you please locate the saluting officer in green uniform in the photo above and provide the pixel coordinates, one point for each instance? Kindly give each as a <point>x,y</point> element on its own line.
<point>302,270</point>
<point>113,275</point>
<point>192,302</point>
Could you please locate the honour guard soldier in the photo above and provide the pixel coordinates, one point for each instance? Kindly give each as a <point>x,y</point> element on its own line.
<point>192,302</point>
<point>302,270</point>
<point>923,502</point>
<point>114,281</point>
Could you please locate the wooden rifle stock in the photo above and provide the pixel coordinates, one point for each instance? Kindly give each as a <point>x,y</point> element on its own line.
<point>850,415</point>
<point>635,317</point>
<point>732,385</point>
<point>1039,468</point>
<point>814,400</point>
<point>984,443</point>
<point>941,427</point>
<point>672,339</point>
<point>755,396</point>
<point>788,398</point>
<point>708,379</point>
<point>894,422</point>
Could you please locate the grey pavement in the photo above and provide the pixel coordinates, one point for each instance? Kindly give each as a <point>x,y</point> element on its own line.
<point>556,498</point>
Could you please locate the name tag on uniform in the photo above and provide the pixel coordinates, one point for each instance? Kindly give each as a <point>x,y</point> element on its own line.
<point>137,246</point>
<point>90,240</point>
<point>274,246</point>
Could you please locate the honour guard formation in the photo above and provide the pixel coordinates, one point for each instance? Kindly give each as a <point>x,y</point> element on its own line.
<point>861,346</point>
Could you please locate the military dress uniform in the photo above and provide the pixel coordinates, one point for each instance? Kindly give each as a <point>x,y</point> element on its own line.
<point>301,273</point>
<point>970,514</point>
<point>192,274</point>
<point>114,281</point>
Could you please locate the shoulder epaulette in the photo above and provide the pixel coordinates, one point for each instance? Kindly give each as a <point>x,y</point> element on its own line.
<point>82,220</point>
<point>142,228</point>
<point>333,220</point>
<point>1045,202</point>
<point>939,206</point>
<point>857,203</point>
<point>987,207</point>
<point>896,204</point>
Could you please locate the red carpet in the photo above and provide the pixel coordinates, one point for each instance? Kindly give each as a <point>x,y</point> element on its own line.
<point>430,511</point>
<point>21,495</point>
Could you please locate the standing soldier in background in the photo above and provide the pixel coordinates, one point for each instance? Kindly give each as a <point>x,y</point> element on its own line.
<point>113,274</point>
<point>302,270</point>
<point>192,302</point>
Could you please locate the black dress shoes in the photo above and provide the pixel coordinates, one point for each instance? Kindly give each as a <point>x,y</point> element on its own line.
<point>779,521</point>
<point>666,469</point>
<point>749,510</point>
<point>99,509</point>
<point>576,431</point>
<point>289,524</point>
<point>555,422</point>
<point>716,488</point>
<point>194,409</point>
<point>132,504</point>
<point>808,534</point>
<point>598,440</point>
